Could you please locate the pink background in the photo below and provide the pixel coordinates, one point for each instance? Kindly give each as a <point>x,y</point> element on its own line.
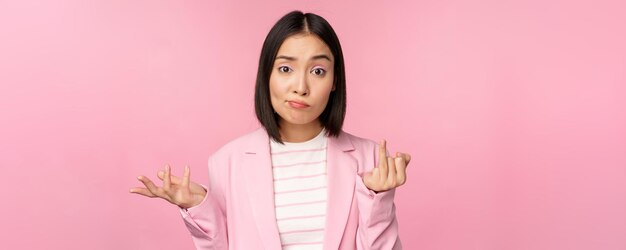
<point>514,112</point>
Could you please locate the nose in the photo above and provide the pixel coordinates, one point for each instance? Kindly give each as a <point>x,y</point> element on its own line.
<point>301,86</point>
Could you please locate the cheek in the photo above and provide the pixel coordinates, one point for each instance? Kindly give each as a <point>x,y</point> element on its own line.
<point>327,85</point>
<point>278,86</point>
<point>277,91</point>
<point>274,87</point>
<point>324,89</point>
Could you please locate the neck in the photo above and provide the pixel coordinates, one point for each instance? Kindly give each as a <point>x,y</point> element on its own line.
<point>299,132</point>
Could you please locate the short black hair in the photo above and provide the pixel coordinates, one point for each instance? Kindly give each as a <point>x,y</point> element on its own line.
<point>292,23</point>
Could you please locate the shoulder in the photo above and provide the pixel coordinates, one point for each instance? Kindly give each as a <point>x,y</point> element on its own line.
<point>365,151</point>
<point>362,145</point>
<point>240,144</point>
<point>358,141</point>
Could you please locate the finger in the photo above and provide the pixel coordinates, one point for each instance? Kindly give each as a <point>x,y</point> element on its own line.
<point>400,170</point>
<point>186,177</point>
<point>382,151</point>
<point>166,179</point>
<point>142,191</point>
<point>382,159</point>
<point>407,157</point>
<point>178,181</point>
<point>173,178</point>
<point>150,185</point>
<point>391,176</point>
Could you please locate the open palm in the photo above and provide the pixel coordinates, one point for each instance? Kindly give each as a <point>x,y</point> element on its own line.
<point>178,191</point>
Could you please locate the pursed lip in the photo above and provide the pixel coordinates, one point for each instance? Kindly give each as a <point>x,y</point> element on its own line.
<point>299,102</point>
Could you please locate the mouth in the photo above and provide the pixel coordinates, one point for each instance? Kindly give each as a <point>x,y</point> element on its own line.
<point>297,104</point>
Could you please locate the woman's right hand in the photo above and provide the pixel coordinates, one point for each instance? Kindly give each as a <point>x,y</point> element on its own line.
<point>180,192</point>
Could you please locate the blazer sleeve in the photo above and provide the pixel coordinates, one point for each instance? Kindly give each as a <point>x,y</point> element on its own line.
<point>378,226</point>
<point>207,221</point>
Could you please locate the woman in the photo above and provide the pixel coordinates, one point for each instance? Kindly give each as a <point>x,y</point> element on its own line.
<point>299,182</point>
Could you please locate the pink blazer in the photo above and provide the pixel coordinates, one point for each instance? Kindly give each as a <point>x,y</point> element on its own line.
<point>238,211</point>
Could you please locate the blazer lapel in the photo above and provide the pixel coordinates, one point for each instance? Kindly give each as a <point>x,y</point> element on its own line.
<point>260,185</point>
<point>341,169</point>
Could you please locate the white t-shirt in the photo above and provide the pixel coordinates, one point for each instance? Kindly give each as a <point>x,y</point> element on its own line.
<point>300,191</point>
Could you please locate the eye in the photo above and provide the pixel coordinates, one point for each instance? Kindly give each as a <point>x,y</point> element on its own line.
<point>284,69</point>
<point>318,71</point>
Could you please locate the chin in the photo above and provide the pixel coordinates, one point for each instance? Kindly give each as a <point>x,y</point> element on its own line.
<point>299,121</point>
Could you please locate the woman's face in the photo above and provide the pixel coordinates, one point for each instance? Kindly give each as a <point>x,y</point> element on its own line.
<point>301,79</point>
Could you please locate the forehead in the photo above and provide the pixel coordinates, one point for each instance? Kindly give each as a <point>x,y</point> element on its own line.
<point>303,45</point>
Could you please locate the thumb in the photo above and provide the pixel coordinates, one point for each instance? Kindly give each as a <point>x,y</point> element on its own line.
<point>370,178</point>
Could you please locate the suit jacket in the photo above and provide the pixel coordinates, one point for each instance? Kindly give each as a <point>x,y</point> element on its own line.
<point>238,210</point>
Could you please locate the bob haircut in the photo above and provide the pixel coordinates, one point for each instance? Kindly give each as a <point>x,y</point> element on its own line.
<point>293,23</point>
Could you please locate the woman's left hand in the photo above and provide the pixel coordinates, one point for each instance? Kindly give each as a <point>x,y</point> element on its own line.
<point>390,172</point>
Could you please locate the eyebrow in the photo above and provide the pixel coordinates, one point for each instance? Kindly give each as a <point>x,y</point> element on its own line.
<point>291,58</point>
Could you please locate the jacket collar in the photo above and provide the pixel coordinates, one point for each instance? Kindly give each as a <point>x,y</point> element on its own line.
<point>341,169</point>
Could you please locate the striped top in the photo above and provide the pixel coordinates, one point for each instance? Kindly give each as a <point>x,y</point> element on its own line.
<point>299,171</point>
